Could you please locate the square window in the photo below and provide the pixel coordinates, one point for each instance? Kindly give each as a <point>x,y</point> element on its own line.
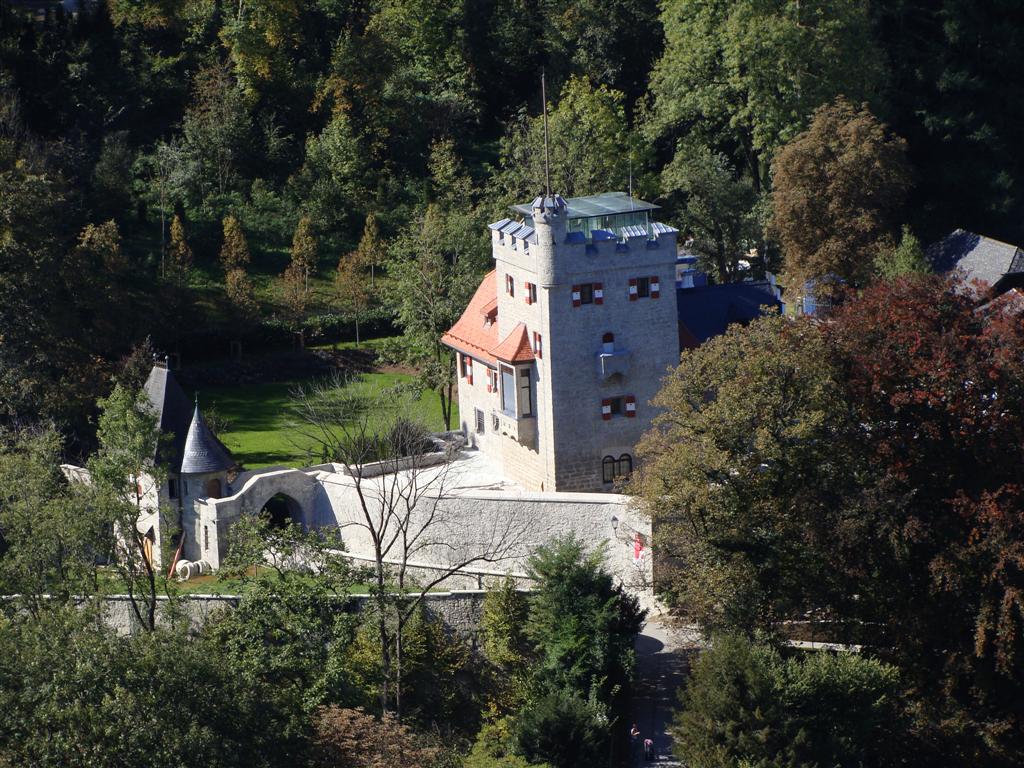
<point>525,392</point>
<point>643,287</point>
<point>532,293</point>
<point>587,293</point>
<point>616,404</point>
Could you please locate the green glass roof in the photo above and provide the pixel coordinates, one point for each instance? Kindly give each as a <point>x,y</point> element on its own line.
<point>605,204</point>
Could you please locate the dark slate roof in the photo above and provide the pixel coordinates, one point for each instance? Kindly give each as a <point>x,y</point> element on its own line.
<point>203,451</point>
<point>980,257</point>
<point>707,311</point>
<point>174,410</point>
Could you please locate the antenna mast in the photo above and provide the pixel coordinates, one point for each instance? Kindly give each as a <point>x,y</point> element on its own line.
<point>631,178</point>
<point>547,158</point>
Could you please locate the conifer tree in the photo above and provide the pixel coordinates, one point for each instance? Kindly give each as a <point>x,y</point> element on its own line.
<point>180,253</point>
<point>234,253</point>
<point>304,250</point>
<point>371,249</point>
<point>241,293</point>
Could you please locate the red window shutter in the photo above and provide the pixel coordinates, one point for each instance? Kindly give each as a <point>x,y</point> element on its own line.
<point>630,406</point>
<point>576,296</point>
<point>538,348</point>
<point>655,287</point>
<point>599,293</point>
<point>632,289</point>
<point>606,409</point>
<point>528,293</point>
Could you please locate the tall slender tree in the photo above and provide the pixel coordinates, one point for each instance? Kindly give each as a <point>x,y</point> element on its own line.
<point>304,250</point>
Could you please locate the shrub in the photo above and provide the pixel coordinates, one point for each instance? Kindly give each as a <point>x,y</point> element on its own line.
<point>564,730</point>
<point>745,704</point>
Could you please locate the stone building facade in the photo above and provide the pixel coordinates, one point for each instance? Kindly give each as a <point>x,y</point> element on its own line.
<point>566,342</point>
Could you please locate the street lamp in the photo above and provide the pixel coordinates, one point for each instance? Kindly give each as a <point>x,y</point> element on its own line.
<point>615,523</point>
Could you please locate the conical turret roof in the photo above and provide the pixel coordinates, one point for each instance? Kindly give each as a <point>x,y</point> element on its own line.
<point>203,451</point>
<point>171,405</point>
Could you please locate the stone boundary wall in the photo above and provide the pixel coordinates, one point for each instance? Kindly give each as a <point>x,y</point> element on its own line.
<point>471,578</point>
<point>459,610</point>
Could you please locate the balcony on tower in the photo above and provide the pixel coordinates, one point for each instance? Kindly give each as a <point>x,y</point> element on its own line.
<point>612,361</point>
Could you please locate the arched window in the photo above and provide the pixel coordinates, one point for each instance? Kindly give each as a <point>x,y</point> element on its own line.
<point>608,342</point>
<point>624,466</point>
<point>608,469</point>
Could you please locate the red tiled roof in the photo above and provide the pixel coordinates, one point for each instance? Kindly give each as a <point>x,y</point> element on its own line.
<point>515,348</point>
<point>472,334</point>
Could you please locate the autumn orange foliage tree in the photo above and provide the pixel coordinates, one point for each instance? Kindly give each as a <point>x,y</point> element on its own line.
<point>352,738</point>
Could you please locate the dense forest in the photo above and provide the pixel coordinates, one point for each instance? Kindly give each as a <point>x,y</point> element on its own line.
<point>214,175</point>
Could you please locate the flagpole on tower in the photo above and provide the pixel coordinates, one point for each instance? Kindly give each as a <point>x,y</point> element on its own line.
<point>547,158</point>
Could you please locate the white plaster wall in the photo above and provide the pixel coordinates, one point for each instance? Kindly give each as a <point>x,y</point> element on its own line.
<point>468,520</point>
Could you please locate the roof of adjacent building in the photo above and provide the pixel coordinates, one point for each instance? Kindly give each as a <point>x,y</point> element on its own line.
<point>174,412</point>
<point>203,451</point>
<point>980,257</point>
<point>515,348</point>
<point>605,204</point>
<point>475,333</point>
<point>708,311</point>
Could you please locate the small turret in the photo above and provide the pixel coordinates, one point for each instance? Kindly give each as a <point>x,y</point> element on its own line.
<point>550,221</point>
<point>205,462</point>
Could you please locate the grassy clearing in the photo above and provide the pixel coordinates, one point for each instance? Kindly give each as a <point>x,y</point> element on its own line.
<point>262,431</point>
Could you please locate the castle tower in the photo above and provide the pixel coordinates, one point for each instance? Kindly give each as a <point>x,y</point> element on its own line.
<point>205,464</point>
<point>566,342</point>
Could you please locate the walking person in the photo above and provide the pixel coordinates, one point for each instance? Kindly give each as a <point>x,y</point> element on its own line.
<point>648,750</point>
<point>634,743</point>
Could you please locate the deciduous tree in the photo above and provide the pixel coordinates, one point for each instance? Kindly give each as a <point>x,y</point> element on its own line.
<point>352,738</point>
<point>742,471</point>
<point>434,267</point>
<point>746,76</point>
<point>717,208</point>
<point>125,481</point>
<point>837,192</point>
<point>591,147</point>
<point>350,286</point>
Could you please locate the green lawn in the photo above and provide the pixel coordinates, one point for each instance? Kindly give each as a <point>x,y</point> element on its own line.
<point>262,432</point>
